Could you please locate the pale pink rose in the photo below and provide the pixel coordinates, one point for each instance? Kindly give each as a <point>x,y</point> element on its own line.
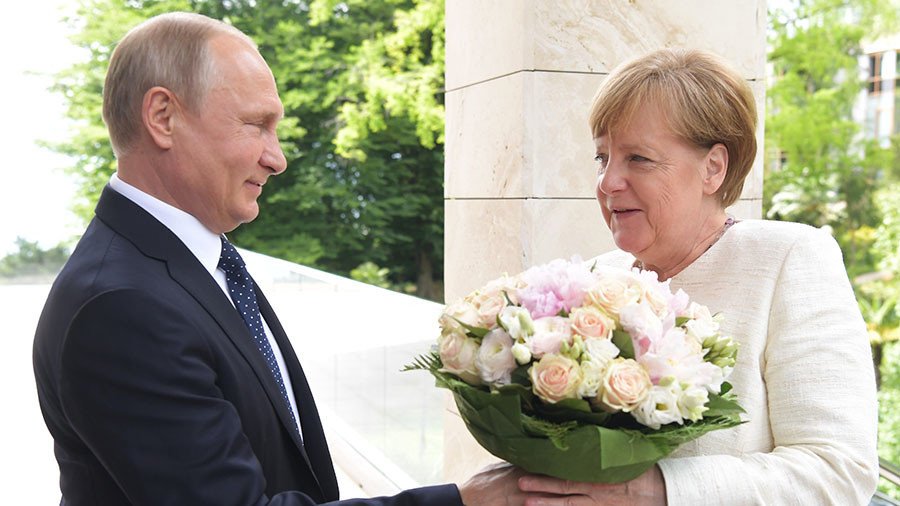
<point>459,311</point>
<point>549,334</point>
<point>555,377</point>
<point>614,290</point>
<point>495,362</point>
<point>510,285</point>
<point>591,322</point>
<point>489,306</point>
<point>625,385</point>
<point>458,354</point>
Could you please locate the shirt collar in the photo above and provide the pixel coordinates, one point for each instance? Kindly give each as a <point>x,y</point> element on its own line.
<point>203,243</point>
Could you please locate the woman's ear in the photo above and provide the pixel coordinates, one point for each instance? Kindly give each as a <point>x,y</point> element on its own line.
<point>157,114</point>
<point>716,168</point>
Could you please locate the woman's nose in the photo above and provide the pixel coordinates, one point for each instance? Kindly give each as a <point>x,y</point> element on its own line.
<point>611,180</point>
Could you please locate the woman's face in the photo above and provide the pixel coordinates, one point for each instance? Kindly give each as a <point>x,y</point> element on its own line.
<point>657,190</point>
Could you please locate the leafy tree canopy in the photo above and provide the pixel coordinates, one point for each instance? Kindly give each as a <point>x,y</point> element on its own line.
<point>361,85</point>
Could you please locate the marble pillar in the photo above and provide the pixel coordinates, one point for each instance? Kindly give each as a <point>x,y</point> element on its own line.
<point>519,171</point>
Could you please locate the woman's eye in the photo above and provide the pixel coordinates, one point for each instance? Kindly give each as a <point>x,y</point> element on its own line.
<point>638,158</point>
<point>601,159</point>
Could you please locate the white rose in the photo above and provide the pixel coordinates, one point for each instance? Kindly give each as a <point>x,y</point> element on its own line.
<point>495,360</point>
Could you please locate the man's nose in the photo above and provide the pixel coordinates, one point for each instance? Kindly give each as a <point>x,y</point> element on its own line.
<point>273,156</point>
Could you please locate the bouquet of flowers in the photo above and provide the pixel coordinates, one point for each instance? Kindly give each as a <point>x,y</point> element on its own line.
<point>584,373</point>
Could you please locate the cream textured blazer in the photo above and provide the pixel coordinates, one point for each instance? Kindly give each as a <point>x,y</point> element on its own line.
<point>804,374</point>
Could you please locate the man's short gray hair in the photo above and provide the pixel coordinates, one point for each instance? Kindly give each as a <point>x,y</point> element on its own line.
<point>170,50</point>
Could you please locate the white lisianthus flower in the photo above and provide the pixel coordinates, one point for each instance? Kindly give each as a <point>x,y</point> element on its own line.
<point>591,378</point>
<point>521,353</point>
<point>550,332</point>
<point>458,354</point>
<point>692,402</point>
<point>601,351</point>
<point>701,328</point>
<point>517,322</point>
<point>495,361</point>
<point>660,407</point>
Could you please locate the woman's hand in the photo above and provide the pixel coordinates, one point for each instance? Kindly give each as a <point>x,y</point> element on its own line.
<point>648,489</point>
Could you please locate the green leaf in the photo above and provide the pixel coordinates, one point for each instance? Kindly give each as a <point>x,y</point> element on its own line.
<point>623,341</point>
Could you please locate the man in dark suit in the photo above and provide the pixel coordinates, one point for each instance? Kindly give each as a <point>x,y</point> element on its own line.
<point>156,389</point>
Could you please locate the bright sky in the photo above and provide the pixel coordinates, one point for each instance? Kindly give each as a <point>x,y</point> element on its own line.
<point>37,196</point>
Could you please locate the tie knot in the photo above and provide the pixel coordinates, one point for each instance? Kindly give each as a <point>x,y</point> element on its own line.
<point>230,260</point>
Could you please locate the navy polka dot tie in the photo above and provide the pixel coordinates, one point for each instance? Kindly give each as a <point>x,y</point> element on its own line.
<point>240,286</point>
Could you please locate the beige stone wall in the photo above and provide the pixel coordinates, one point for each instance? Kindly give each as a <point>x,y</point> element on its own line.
<point>519,171</point>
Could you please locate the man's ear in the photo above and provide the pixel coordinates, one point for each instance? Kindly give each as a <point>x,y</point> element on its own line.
<point>158,111</point>
<point>716,168</point>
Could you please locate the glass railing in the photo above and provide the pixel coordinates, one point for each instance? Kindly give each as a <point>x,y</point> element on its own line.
<point>385,426</point>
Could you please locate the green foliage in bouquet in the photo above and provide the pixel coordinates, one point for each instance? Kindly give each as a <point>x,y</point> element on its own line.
<point>568,440</point>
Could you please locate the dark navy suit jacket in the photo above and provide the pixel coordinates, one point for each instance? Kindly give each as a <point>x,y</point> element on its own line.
<point>154,392</point>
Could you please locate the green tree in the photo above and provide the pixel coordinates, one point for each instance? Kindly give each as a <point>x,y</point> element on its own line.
<point>820,170</point>
<point>29,259</point>
<point>363,129</point>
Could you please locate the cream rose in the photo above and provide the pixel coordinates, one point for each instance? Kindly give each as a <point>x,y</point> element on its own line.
<point>591,322</point>
<point>488,307</point>
<point>458,354</point>
<point>625,385</point>
<point>460,311</point>
<point>614,290</point>
<point>555,377</point>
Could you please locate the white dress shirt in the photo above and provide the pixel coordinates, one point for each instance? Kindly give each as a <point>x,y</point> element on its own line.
<point>207,247</point>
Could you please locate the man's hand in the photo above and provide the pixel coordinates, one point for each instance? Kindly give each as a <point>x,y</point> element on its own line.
<point>648,489</point>
<point>495,485</point>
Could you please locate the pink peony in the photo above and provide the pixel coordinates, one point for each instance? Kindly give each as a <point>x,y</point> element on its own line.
<point>554,287</point>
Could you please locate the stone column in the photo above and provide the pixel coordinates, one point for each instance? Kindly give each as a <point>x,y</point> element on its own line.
<point>519,171</point>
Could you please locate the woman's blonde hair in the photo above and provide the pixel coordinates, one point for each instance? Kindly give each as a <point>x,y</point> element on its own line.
<point>704,100</point>
<point>170,50</point>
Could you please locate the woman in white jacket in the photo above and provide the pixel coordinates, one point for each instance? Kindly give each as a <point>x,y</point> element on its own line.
<point>676,137</point>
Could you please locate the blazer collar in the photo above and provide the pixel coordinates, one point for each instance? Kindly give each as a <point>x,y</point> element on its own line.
<point>154,240</point>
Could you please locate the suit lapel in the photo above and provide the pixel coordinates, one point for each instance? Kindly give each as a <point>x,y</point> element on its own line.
<point>315,443</point>
<point>156,241</point>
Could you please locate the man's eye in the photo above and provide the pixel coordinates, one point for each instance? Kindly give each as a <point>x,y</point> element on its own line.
<point>638,158</point>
